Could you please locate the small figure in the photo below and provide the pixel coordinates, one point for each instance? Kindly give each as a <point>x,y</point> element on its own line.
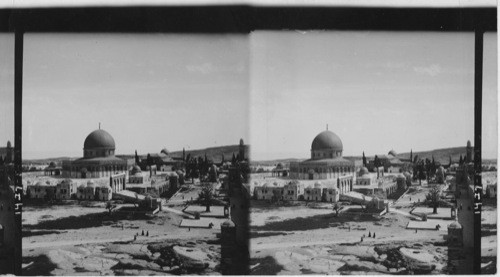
<point>416,231</point>
<point>135,237</point>
<point>189,229</point>
<point>361,239</point>
<point>373,234</point>
<point>410,199</point>
<point>142,234</point>
<point>147,234</point>
<point>369,234</point>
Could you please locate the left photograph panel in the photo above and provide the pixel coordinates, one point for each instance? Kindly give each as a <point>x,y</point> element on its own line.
<point>133,154</point>
<point>9,224</point>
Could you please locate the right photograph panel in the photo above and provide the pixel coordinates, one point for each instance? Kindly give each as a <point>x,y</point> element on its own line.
<point>363,153</point>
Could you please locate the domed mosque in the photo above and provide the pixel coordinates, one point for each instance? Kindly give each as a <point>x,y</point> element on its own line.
<point>326,162</point>
<point>98,160</point>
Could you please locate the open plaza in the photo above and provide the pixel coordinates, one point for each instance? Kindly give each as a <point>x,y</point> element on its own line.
<point>377,222</point>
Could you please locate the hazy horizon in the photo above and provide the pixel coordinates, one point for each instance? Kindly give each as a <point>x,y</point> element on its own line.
<point>376,90</point>
<point>148,91</point>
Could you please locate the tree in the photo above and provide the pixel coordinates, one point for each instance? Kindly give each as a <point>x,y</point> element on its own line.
<point>149,160</point>
<point>420,171</point>
<point>433,198</point>
<point>110,206</point>
<point>376,161</point>
<point>460,161</point>
<point>411,155</point>
<point>415,160</point>
<point>337,207</point>
<point>364,159</point>
<point>136,158</point>
<point>206,196</point>
<point>450,161</point>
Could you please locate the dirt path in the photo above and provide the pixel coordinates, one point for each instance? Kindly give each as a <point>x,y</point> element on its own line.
<point>57,244</point>
<point>288,244</point>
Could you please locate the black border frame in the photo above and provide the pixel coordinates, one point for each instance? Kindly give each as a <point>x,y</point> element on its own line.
<point>240,19</point>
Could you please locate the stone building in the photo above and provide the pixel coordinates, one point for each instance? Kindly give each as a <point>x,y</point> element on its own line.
<point>98,160</point>
<point>41,190</point>
<point>103,193</point>
<point>65,190</point>
<point>86,192</point>
<point>314,192</point>
<point>293,190</point>
<point>326,160</point>
<point>52,170</point>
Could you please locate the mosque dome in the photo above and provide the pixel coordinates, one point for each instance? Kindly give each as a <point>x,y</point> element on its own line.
<point>393,153</point>
<point>136,169</point>
<point>91,184</point>
<point>455,225</point>
<point>363,171</point>
<point>317,185</point>
<point>327,140</point>
<point>52,164</point>
<point>165,151</point>
<point>99,139</point>
<point>227,223</point>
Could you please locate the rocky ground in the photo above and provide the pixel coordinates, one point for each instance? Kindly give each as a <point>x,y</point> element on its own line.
<point>152,257</point>
<point>311,240</point>
<point>84,238</point>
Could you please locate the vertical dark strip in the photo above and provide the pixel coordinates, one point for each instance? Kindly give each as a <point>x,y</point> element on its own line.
<point>478,102</point>
<point>18,99</point>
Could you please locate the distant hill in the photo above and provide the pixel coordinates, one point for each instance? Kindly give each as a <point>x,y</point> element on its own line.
<point>285,162</point>
<point>57,160</point>
<point>214,153</point>
<point>440,155</point>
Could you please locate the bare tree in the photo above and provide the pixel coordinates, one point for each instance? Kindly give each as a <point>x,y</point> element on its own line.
<point>109,206</point>
<point>337,207</point>
<point>433,198</point>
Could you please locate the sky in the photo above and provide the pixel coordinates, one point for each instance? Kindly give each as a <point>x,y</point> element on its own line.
<point>376,90</point>
<point>6,89</point>
<point>148,91</point>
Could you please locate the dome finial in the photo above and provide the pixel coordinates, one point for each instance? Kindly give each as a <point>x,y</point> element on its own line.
<point>99,125</point>
<point>327,127</point>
